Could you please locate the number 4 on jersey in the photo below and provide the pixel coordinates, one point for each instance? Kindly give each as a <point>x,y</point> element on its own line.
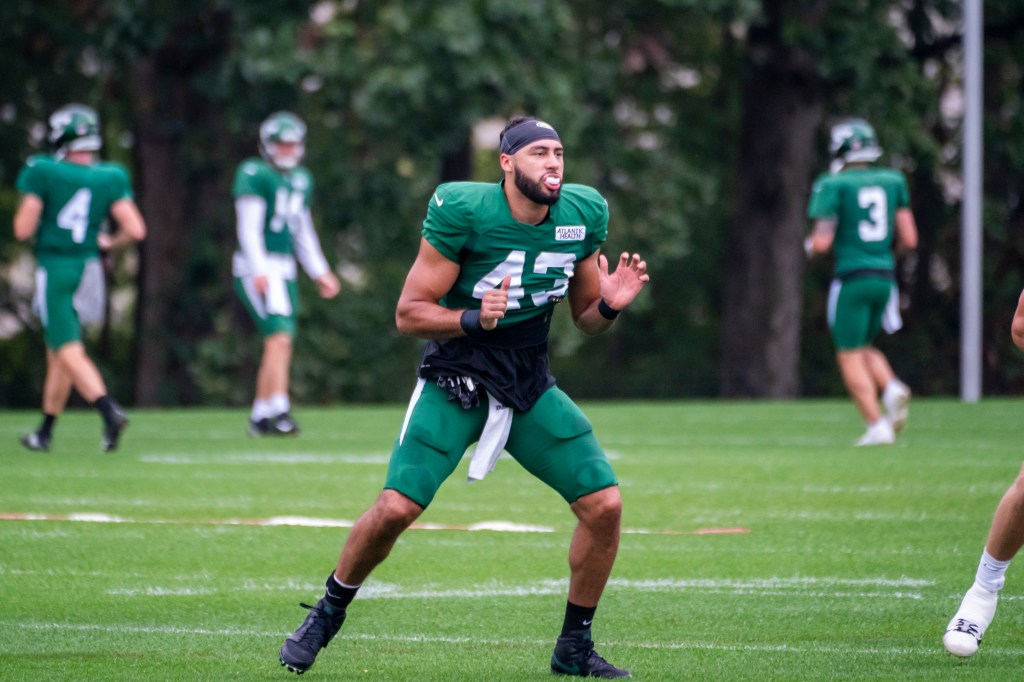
<point>74,215</point>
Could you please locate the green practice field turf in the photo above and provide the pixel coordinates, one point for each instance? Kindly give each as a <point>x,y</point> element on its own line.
<point>759,545</point>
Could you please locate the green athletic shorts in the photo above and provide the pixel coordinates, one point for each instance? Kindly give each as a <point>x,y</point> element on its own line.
<point>268,324</point>
<point>856,308</point>
<point>553,440</point>
<point>69,293</point>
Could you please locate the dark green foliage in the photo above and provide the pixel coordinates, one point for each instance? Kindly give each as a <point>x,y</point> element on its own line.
<point>646,97</point>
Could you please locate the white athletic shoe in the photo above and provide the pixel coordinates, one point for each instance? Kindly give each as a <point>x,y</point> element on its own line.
<point>964,632</point>
<point>897,404</point>
<point>880,433</point>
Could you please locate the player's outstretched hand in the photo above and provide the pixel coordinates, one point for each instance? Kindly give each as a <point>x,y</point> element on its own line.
<point>492,307</point>
<point>619,288</point>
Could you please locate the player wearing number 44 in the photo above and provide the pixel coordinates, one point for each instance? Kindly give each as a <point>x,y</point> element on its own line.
<point>862,213</point>
<point>65,199</point>
<point>493,262</point>
<point>272,205</point>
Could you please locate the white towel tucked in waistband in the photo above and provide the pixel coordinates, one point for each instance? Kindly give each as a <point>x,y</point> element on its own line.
<point>492,439</point>
<point>892,322</point>
<point>278,301</point>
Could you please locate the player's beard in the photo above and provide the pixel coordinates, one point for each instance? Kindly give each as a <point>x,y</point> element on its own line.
<point>535,191</point>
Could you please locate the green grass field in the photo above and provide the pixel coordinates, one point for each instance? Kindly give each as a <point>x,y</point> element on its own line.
<point>854,561</point>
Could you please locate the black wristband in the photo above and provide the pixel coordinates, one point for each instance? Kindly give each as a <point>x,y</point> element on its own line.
<point>607,312</point>
<point>470,323</point>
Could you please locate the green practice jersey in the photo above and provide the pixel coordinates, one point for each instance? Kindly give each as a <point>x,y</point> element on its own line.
<point>76,201</point>
<point>470,223</point>
<point>287,196</point>
<point>863,202</point>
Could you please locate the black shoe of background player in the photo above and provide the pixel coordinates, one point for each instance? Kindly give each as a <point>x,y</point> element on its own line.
<point>259,427</point>
<point>281,425</point>
<point>284,425</point>
<point>113,429</point>
<point>35,442</point>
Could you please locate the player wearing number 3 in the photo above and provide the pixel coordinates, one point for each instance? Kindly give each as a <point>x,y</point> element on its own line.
<point>863,213</point>
<point>494,261</point>
<point>65,200</point>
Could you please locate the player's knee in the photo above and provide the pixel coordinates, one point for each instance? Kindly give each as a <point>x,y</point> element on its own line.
<point>279,341</point>
<point>71,355</point>
<point>395,511</point>
<point>601,508</point>
<point>1017,488</point>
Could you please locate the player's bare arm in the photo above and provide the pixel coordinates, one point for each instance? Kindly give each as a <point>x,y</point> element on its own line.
<point>419,313</point>
<point>131,226</point>
<point>821,238</point>
<point>593,285</point>
<point>26,220</point>
<point>1017,326</point>
<point>906,231</point>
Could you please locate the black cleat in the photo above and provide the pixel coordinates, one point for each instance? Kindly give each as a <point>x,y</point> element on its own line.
<point>35,442</point>
<point>576,656</point>
<point>259,427</point>
<point>113,429</point>
<point>298,653</point>
<point>281,425</point>
<point>284,425</point>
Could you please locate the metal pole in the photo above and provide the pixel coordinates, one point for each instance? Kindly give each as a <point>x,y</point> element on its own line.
<point>971,246</point>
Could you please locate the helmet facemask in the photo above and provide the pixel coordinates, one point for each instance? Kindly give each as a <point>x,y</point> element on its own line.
<point>280,129</point>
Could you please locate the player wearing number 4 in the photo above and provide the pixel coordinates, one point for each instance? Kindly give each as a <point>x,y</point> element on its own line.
<point>862,213</point>
<point>65,199</point>
<point>494,261</point>
<point>272,205</point>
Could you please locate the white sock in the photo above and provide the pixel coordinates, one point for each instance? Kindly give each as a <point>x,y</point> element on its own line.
<point>894,385</point>
<point>261,410</point>
<point>991,572</point>
<point>279,403</point>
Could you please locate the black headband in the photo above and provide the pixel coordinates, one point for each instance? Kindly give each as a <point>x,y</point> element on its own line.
<point>528,131</point>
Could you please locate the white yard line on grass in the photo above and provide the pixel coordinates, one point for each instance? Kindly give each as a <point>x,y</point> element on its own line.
<point>812,649</point>
<point>245,458</point>
<point>806,587</point>
<point>313,522</point>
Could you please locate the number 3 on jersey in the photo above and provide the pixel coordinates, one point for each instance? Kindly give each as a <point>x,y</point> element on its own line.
<point>74,215</point>
<point>515,264</point>
<point>876,227</point>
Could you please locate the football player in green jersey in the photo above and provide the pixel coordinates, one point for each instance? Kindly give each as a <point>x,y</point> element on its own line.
<point>862,212</point>
<point>494,261</point>
<point>1005,538</point>
<point>272,205</point>
<point>65,199</point>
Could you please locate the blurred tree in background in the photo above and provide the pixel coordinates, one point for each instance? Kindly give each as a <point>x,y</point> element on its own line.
<point>702,122</point>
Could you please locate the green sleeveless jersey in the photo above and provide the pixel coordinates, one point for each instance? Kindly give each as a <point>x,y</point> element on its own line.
<point>470,223</point>
<point>863,202</point>
<point>287,196</point>
<point>76,201</point>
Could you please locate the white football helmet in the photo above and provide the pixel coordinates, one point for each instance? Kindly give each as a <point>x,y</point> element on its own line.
<point>282,126</point>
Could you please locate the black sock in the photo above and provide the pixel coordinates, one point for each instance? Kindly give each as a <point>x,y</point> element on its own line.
<point>577,620</point>
<point>338,595</point>
<point>46,428</point>
<point>106,405</point>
